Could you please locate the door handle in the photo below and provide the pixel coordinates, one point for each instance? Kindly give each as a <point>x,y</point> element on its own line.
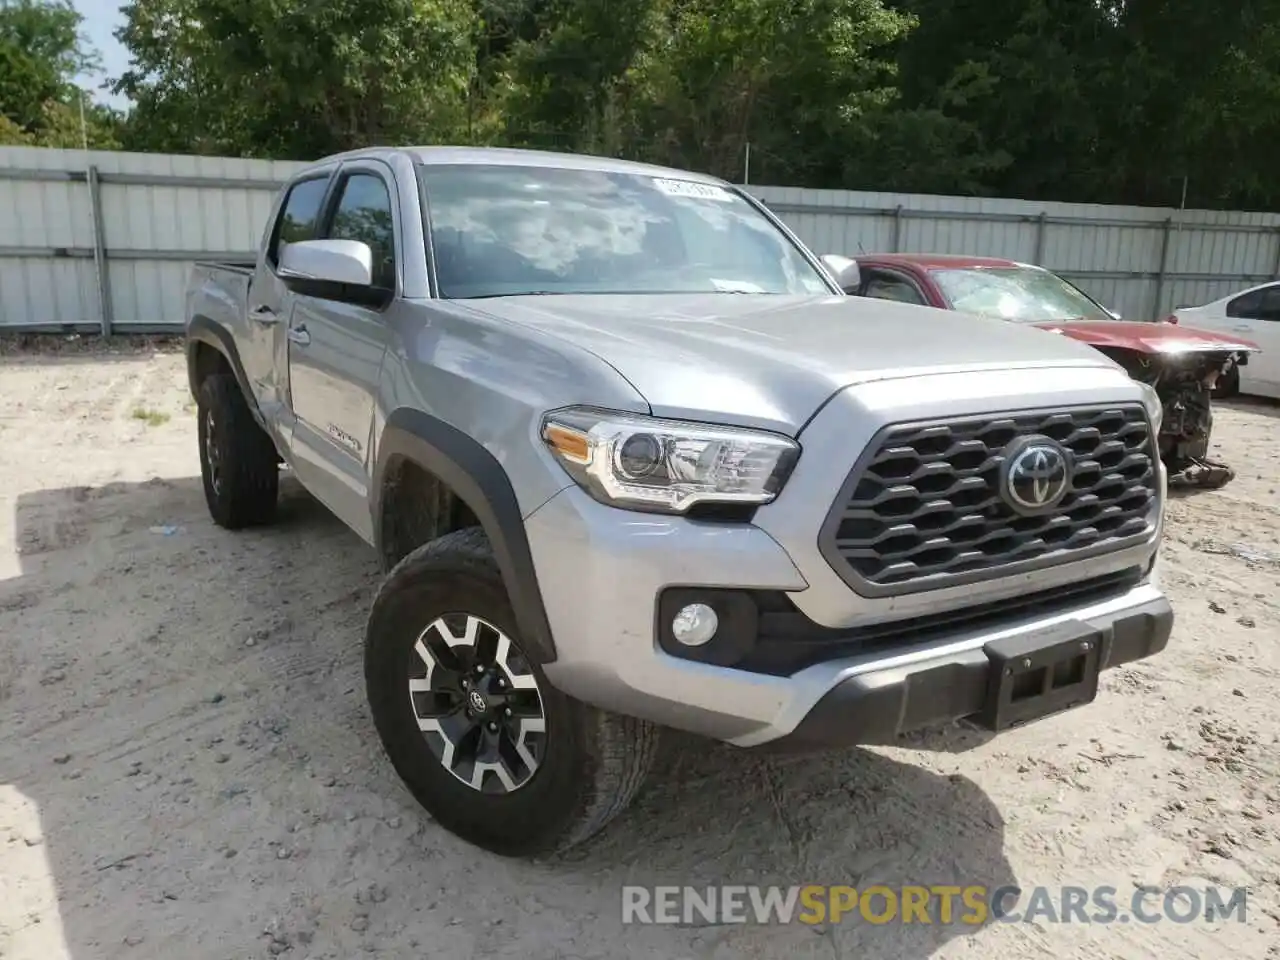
<point>1242,328</point>
<point>299,335</point>
<point>264,314</point>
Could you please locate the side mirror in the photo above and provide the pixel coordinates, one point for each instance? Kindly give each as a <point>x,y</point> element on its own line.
<point>332,261</point>
<point>843,270</point>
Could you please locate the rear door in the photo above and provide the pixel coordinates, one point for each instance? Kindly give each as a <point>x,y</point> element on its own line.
<point>336,346</point>
<point>268,301</point>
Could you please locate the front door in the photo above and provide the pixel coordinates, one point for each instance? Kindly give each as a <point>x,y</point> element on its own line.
<point>335,351</point>
<point>882,284</point>
<point>268,302</point>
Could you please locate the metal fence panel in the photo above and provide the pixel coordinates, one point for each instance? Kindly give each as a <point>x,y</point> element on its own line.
<point>104,240</point>
<point>1142,261</point>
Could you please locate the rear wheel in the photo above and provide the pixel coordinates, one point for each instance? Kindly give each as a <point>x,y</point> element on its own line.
<point>238,461</point>
<point>492,751</point>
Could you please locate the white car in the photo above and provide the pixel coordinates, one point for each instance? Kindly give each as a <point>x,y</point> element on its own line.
<point>1253,314</point>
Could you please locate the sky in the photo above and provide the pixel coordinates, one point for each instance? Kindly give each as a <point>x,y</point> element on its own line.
<point>101,18</point>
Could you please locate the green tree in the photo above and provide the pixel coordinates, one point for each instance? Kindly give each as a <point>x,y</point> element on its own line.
<point>796,79</point>
<point>692,82</point>
<point>1119,101</point>
<point>296,78</point>
<point>1201,94</point>
<point>41,52</point>
<point>1103,101</point>
<point>567,78</point>
<point>1023,84</point>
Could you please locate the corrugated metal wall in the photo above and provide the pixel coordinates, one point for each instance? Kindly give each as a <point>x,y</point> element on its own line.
<point>82,230</point>
<point>1141,261</point>
<point>78,230</point>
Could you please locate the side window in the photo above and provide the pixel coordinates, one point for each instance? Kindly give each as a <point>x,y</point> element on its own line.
<point>364,213</point>
<point>298,216</point>
<point>1246,306</point>
<point>885,286</point>
<point>1270,307</point>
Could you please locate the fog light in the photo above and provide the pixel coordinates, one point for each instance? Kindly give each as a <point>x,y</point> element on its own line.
<point>695,624</point>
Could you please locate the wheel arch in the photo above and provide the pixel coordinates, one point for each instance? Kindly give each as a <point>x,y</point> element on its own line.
<point>475,478</point>
<point>212,349</point>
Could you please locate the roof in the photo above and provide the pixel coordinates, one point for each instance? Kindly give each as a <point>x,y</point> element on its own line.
<point>938,260</point>
<point>510,156</point>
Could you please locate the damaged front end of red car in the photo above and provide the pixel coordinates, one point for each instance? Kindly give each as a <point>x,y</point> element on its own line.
<point>1185,383</point>
<point>1187,369</point>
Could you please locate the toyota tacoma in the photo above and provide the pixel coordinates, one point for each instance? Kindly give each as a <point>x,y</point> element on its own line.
<point>632,459</point>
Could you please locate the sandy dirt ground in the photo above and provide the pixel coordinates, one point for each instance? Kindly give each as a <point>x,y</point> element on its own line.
<point>188,768</point>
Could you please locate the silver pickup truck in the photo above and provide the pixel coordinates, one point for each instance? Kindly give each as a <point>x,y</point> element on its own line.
<point>632,459</point>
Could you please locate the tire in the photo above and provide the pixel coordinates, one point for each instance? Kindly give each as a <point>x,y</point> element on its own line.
<point>589,764</point>
<point>238,461</point>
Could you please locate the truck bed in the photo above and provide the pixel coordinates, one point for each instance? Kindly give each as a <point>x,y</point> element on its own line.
<point>218,291</point>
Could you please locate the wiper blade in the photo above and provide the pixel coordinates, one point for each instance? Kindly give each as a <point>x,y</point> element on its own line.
<point>606,293</point>
<point>517,293</point>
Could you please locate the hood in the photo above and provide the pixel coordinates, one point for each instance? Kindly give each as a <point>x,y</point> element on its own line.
<point>772,361</point>
<point>1147,337</point>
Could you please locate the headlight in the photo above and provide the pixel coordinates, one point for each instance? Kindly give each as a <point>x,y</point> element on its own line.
<point>645,463</point>
<point>1155,409</point>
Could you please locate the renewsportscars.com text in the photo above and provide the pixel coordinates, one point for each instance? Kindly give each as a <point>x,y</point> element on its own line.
<point>940,904</point>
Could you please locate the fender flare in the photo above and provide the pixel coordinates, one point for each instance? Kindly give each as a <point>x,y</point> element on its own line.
<point>202,330</point>
<point>477,478</point>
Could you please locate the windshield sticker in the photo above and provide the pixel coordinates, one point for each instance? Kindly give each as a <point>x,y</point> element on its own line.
<point>689,188</point>
<point>736,286</point>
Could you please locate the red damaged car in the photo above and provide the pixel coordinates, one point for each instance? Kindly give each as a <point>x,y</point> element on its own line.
<point>1184,365</point>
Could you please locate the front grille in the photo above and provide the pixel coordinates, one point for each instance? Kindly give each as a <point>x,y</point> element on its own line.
<point>923,507</point>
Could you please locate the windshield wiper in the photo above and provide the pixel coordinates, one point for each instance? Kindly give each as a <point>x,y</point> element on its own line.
<point>604,293</point>
<point>517,293</point>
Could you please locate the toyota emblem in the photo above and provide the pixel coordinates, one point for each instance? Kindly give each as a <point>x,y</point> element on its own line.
<point>1037,475</point>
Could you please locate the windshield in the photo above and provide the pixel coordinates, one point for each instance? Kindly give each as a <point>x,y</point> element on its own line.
<point>1016,293</point>
<point>503,230</point>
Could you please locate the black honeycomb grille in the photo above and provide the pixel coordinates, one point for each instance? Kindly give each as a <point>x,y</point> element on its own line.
<point>923,508</point>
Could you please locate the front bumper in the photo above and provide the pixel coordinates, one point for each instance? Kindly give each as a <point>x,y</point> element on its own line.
<point>603,572</point>
<point>878,706</point>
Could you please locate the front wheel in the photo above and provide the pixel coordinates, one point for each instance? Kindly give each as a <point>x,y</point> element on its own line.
<point>488,747</point>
